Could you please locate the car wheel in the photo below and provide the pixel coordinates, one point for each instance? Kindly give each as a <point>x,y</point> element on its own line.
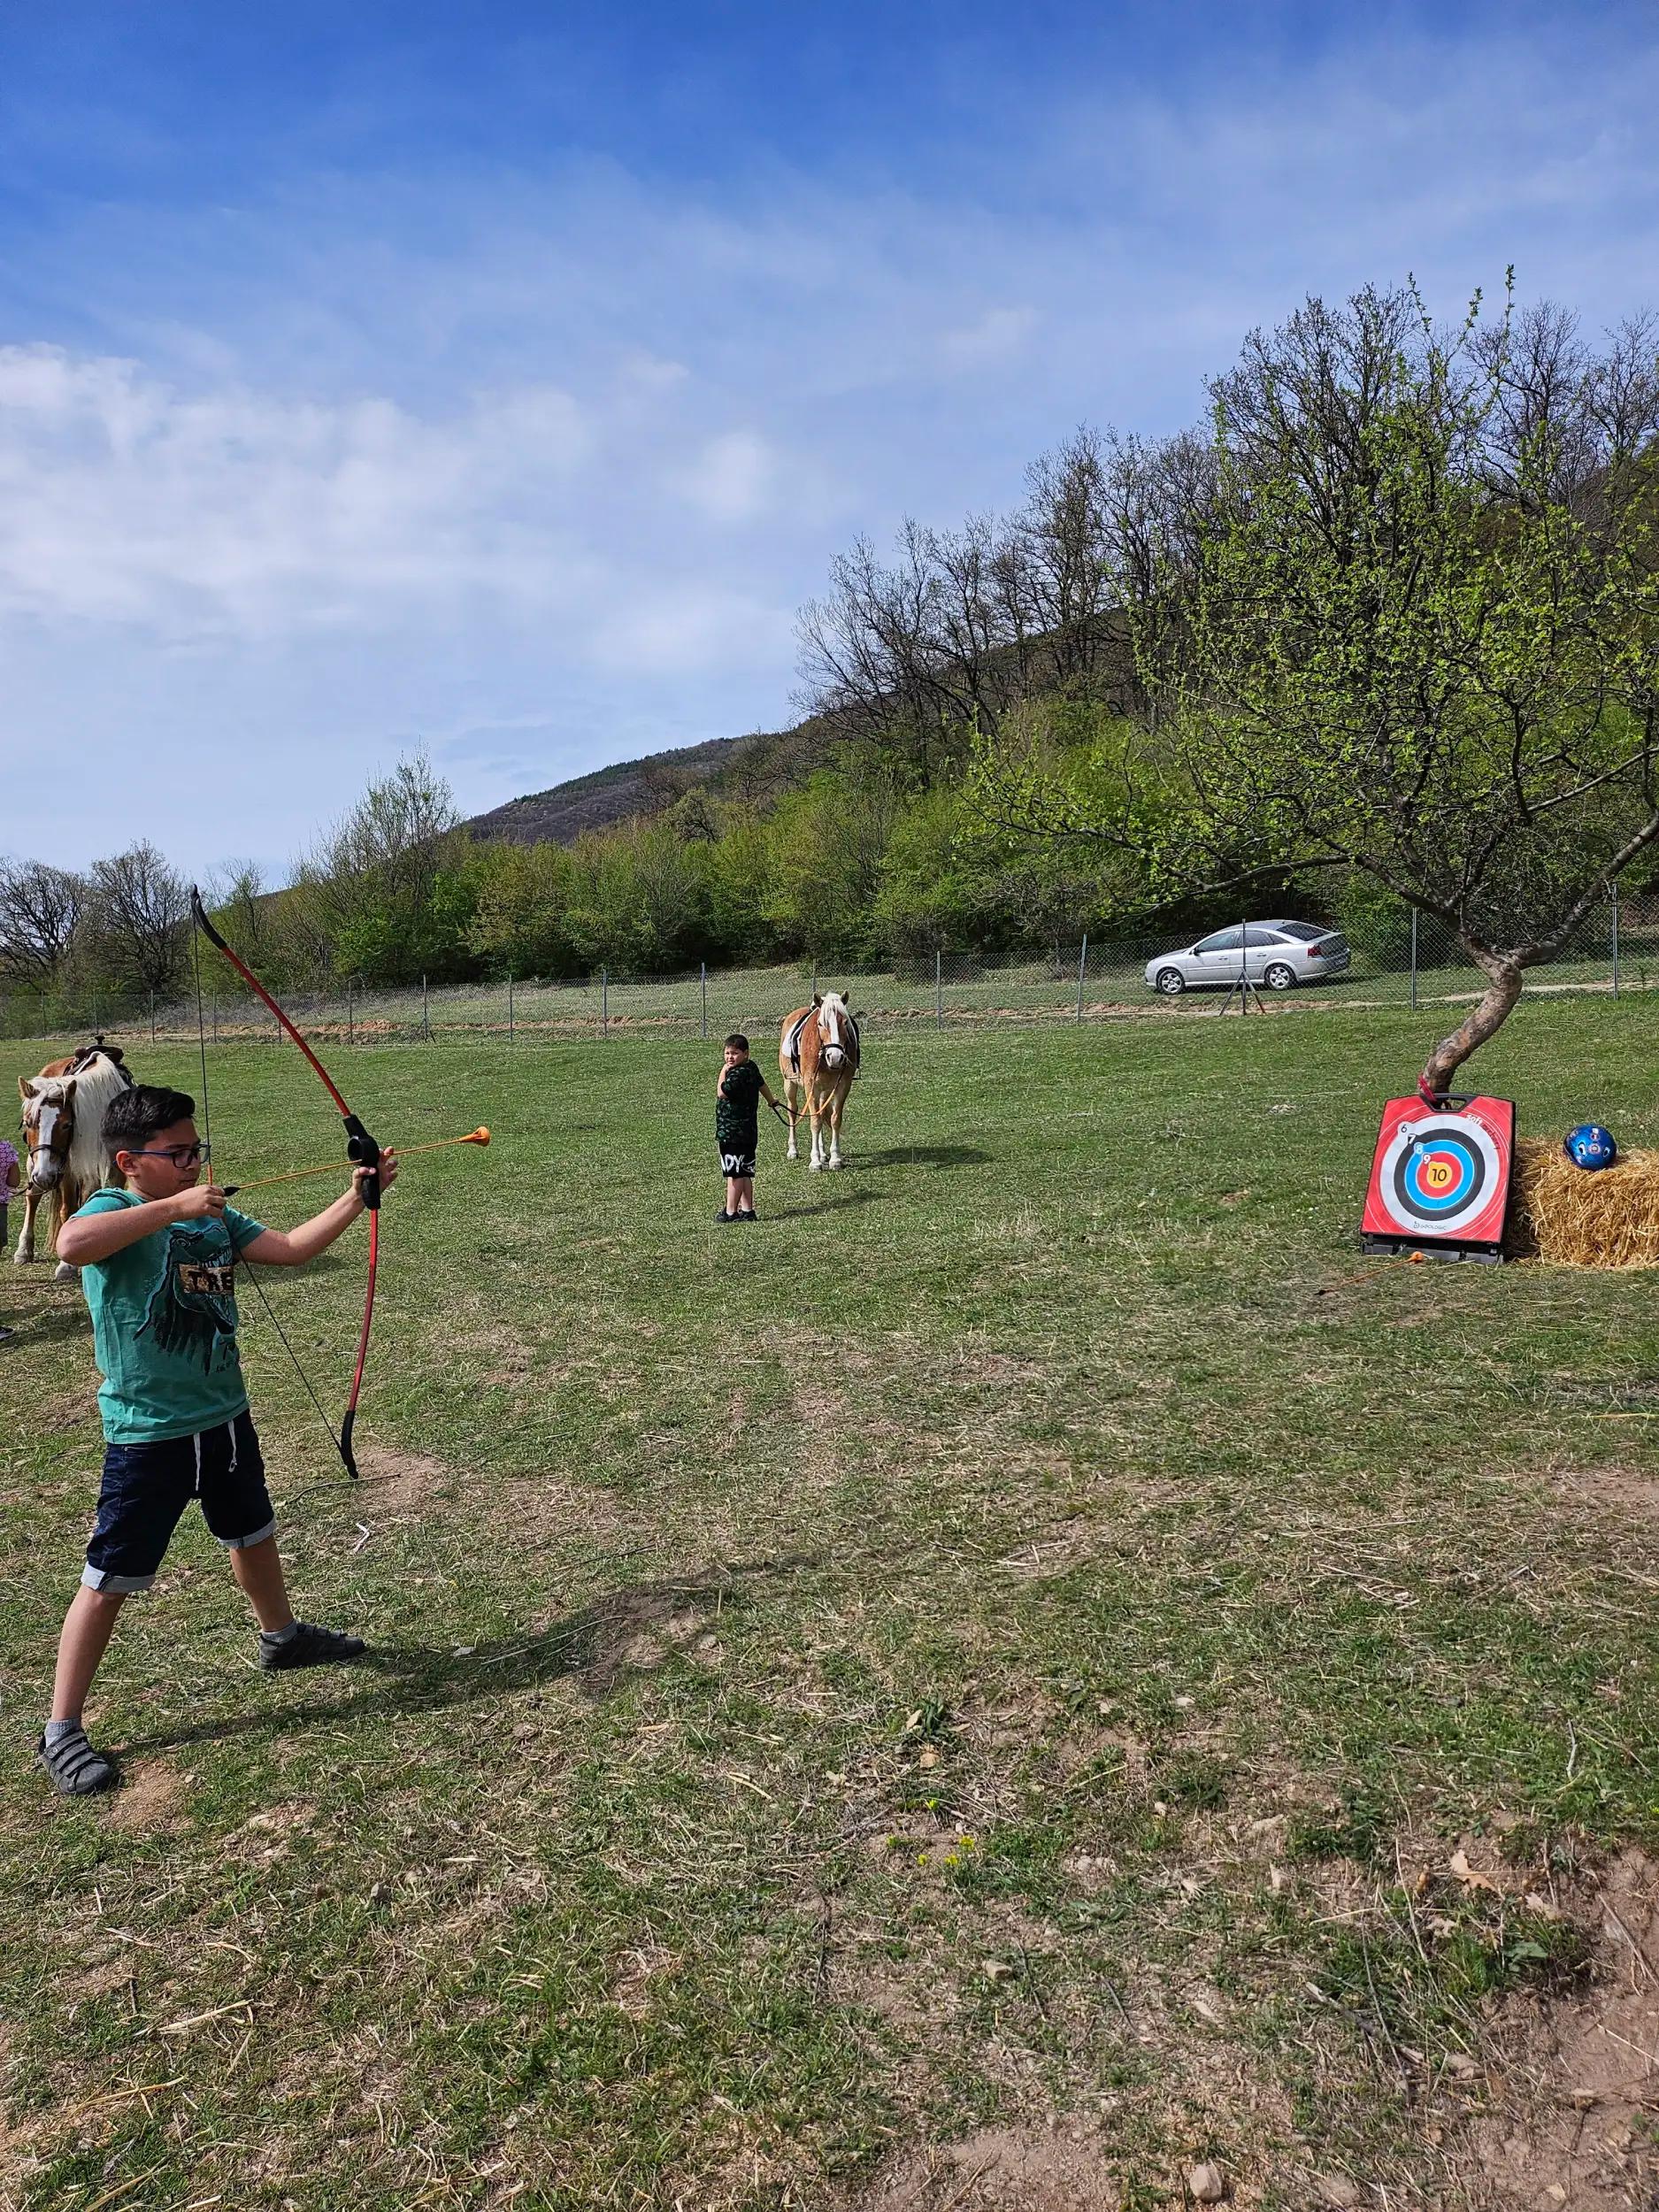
<point>1278,977</point>
<point>1170,982</point>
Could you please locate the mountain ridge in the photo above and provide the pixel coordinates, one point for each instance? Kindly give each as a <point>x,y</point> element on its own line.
<point>757,766</point>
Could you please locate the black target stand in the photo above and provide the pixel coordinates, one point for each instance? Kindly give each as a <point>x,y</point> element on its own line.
<point>1248,995</point>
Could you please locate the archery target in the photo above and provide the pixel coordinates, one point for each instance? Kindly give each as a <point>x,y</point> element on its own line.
<point>1442,1174</point>
<point>1437,1175</point>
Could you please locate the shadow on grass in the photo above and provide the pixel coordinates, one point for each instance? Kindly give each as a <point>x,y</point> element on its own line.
<point>625,1634</point>
<point>824,1206</point>
<point>926,1156</point>
<point>34,1323</point>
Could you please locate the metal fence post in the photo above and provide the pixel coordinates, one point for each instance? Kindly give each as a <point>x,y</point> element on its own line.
<point>352,1013</point>
<point>1414,960</point>
<point>1082,966</point>
<point>815,975</point>
<point>426,1014</point>
<point>604,1003</point>
<point>215,1018</point>
<point>152,1017</point>
<point>939,988</point>
<point>510,1006</point>
<point>704,966</point>
<point>1616,936</point>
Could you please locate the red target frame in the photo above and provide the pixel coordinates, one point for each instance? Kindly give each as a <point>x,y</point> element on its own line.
<point>1440,1178</point>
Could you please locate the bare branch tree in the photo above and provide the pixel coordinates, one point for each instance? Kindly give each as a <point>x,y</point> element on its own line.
<point>140,911</point>
<point>41,908</point>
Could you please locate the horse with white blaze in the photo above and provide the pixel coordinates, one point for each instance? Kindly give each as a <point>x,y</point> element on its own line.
<point>817,1057</point>
<point>63,1122</point>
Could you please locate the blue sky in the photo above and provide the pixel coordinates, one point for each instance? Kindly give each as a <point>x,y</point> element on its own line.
<point>501,378</point>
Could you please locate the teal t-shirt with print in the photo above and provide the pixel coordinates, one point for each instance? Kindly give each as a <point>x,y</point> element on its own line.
<point>164,1325</point>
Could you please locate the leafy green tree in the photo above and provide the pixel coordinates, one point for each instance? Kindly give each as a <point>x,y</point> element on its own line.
<point>739,866</point>
<point>386,894</point>
<point>827,843</point>
<point>638,898</point>
<point>925,901</point>
<point>521,903</point>
<point>1418,637</point>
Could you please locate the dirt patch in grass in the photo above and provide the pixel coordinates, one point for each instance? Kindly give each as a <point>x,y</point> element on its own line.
<point>499,1354</point>
<point>1633,1492</point>
<point>1053,1549</point>
<point>269,1835</point>
<point>636,1971</point>
<point>1058,2168</point>
<point>151,1796</point>
<point>1576,2076</point>
<point>402,1481</point>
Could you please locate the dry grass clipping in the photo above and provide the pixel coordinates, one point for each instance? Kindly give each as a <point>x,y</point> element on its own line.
<point>1577,1218</point>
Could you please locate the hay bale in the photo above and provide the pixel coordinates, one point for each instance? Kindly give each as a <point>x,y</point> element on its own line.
<point>1604,1218</point>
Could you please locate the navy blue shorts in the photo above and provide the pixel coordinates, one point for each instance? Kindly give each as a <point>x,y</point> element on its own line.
<point>738,1161</point>
<point>147,1486</point>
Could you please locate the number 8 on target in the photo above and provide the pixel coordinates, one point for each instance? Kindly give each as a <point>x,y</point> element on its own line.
<point>1440,1179</point>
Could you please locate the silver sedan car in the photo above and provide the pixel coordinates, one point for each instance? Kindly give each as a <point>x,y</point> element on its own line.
<point>1276,956</point>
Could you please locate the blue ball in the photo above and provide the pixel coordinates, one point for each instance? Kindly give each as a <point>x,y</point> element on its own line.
<point>1589,1145</point>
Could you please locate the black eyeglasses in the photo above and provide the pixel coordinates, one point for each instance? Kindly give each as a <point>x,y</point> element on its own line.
<point>183,1155</point>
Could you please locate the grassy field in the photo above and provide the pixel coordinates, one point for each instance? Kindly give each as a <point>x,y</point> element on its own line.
<point>1037,1666</point>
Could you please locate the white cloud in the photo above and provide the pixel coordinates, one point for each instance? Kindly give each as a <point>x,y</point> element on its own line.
<point>730,479</point>
<point>693,629</point>
<point>1000,332</point>
<point>127,500</point>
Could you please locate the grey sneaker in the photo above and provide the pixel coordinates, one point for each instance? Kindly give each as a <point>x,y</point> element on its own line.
<point>75,1768</point>
<point>310,1646</point>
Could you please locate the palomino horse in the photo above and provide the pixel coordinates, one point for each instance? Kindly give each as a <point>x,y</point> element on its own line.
<point>817,1057</point>
<point>63,1120</point>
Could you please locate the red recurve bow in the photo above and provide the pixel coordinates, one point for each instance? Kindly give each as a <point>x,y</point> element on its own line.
<point>361,1151</point>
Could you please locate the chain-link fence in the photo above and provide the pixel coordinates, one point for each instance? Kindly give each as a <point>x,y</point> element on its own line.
<point>1393,958</point>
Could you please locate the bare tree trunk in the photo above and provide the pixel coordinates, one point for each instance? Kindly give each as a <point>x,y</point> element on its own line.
<point>1503,973</point>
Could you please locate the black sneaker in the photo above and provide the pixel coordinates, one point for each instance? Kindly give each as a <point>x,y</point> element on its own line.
<point>723,1217</point>
<point>749,1215</point>
<point>310,1646</point>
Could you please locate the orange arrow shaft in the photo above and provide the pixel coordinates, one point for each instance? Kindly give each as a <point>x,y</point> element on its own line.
<point>331,1167</point>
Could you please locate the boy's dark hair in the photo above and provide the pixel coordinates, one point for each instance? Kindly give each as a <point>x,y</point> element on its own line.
<point>132,1118</point>
<point>738,1040</point>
